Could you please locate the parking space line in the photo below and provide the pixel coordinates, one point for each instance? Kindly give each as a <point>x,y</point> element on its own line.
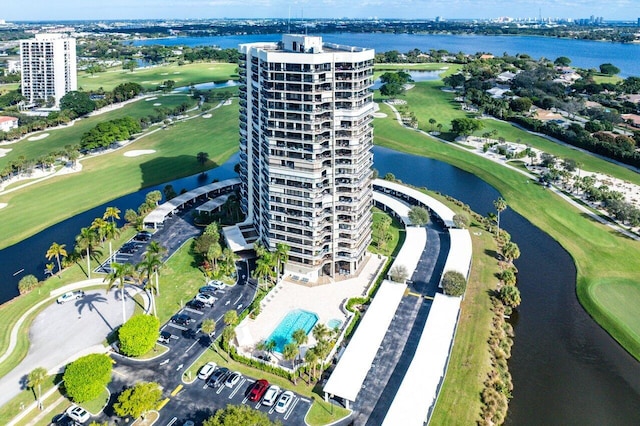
<point>190,347</point>
<point>238,386</point>
<point>163,403</point>
<point>290,410</point>
<point>194,311</point>
<point>179,327</point>
<point>258,404</point>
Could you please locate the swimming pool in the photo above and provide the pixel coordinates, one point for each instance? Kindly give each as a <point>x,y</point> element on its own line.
<point>293,321</point>
<point>334,323</point>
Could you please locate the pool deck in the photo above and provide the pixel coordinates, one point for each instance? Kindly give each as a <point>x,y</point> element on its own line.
<point>324,300</point>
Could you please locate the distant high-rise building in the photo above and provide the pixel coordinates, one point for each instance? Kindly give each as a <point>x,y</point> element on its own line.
<point>48,67</point>
<point>305,150</point>
<point>639,22</point>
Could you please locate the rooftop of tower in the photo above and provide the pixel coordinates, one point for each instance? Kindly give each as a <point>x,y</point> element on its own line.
<point>301,43</point>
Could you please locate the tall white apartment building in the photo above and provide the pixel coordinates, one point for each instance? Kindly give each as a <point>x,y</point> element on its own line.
<point>48,67</point>
<point>305,149</point>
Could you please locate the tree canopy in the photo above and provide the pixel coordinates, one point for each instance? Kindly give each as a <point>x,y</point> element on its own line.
<point>85,378</point>
<point>108,132</point>
<point>239,415</point>
<point>454,80</point>
<point>609,69</point>
<point>454,283</point>
<point>393,83</point>
<point>419,215</point>
<point>78,102</point>
<point>465,126</point>
<point>138,335</point>
<point>137,400</point>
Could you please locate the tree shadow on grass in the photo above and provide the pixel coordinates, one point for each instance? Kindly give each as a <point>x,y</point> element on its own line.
<point>162,169</point>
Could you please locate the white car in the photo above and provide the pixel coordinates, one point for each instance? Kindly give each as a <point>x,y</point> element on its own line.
<point>70,295</point>
<point>271,395</point>
<point>233,379</point>
<point>78,414</point>
<point>207,370</point>
<point>207,299</point>
<point>219,285</point>
<point>284,402</point>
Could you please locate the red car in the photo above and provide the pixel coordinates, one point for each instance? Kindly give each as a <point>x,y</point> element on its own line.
<point>258,390</point>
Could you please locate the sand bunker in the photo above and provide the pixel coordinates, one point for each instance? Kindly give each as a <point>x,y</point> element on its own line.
<point>37,138</point>
<point>227,102</point>
<point>3,205</point>
<point>151,99</point>
<point>165,73</point>
<point>157,104</point>
<point>379,114</point>
<point>138,152</point>
<point>5,151</point>
<point>204,116</point>
<point>177,72</point>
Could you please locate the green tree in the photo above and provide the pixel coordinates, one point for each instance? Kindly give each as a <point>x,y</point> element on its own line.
<point>290,353</point>
<point>208,326</point>
<point>264,269</point>
<point>129,65</point>
<point>239,415</point>
<point>112,214</point>
<point>454,80</point>
<point>228,334</point>
<point>510,296</point>
<point>461,221</point>
<point>300,337</point>
<point>508,277</point>
<point>501,205</point>
<point>311,358</point>
<point>85,378</point>
<point>230,318</point>
<point>86,240</point>
<point>138,400</point>
<point>399,273</point>
<point>465,126</point>
<point>78,102</point>
<point>419,215</point>
<point>147,268</point>
<point>138,335</point>
<point>454,283</point>
<point>35,379</point>
<point>562,61</point>
<point>57,250</point>
<point>511,251</point>
<point>117,278</point>
<point>432,122</point>
<point>202,158</point>
<point>281,257</point>
<point>609,69</point>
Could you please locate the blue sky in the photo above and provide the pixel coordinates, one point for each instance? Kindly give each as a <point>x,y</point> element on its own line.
<point>141,9</point>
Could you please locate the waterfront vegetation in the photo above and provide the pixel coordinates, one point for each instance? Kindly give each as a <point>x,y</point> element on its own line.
<point>150,78</point>
<point>175,156</point>
<point>600,253</point>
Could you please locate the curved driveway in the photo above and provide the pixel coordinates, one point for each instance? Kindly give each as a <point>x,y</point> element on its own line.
<point>64,332</point>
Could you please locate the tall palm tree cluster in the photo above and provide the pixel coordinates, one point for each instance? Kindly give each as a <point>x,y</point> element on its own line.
<point>270,265</point>
<point>216,261</point>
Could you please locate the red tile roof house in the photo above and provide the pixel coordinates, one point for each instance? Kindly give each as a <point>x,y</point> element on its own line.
<point>8,123</point>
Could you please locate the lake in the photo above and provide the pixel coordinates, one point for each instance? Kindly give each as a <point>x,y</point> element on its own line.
<point>583,53</point>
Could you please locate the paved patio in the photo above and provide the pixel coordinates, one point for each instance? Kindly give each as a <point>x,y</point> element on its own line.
<point>325,300</point>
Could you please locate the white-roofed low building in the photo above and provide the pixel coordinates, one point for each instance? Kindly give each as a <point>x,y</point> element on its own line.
<point>460,253</point>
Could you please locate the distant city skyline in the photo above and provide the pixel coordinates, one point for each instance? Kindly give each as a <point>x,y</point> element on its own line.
<point>47,10</point>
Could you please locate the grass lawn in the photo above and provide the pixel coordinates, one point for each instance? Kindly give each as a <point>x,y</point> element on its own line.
<point>4,88</point>
<point>12,408</point>
<point>395,231</point>
<point>620,299</point>
<point>320,413</point>
<point>599,252</point>
<point>72,135</point>
<point>150,78</point>
<point>175,156</point>
<point>470,359</point>
<point>605,78</point>
<point>95,406</point>
<point>12,310</point>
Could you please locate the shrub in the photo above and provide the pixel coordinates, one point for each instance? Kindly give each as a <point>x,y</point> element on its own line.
<point>138,335</point>
<point>27,283</point>
<point>454,283</point>
<point>85,378</point>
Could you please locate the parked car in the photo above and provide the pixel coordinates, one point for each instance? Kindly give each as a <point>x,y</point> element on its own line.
<point>207,299</point>
<point>207,370</point>
<point>182,319</point>
<point>271,395</point>
<point>284,402</point>
<point>142,236</point>
<point>207,289</point>
<point>233,379</point>
<point>64,420</point>
<point>165,337</point>
<point>70,295</point>
<point>218,377</point>
<point>257,391</point>
<point>218,285</point>
<point>196,304</point>
<point>78,414</point>
<point>189,333</point>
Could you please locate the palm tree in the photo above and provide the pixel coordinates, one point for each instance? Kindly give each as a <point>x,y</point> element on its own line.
<point>320,332</point>
<point>99,225</point>
<point>300,337</point>
<point>264,269</point>
<point>282,256</point>
<point>57,250</point>
<point>85,241</point>
<point>35,379</point>
<point>511,251</point>
<point>202,158</point>
<point>259,249</point>
<point>311,358</point>
<point>228,260</point>
<point>230,318</point>
<point>111,213</point>
<point>208,326</point>
<point>117,278</point>
<point>228,334</point>
<point>432,122</point>
<point>501,205</point>
<point>111,231</point>
<point>290,353</point>
<point>148,267</point>
<point>155,248</point>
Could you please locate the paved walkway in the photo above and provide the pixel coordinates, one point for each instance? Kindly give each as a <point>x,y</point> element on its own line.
<point>62,333</point>
<point>561,194</point>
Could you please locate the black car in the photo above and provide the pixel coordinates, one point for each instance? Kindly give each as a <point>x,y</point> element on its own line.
<point>196,304</point>
<point>207,289</point>
<point>182,319</point>
<point>142,237</point>
<point>165,337</point>
<point>64,420</point>
<point>218,377</point>
<point>189,333</point>
<point>128,249</point>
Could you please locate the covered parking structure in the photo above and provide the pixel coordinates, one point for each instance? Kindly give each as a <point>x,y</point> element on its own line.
<point>460,253</point>
<point>416,397</point>
<point>156,218</point>
<point>347,378</point>
<point>415,197</point>
<point>213,205</point>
